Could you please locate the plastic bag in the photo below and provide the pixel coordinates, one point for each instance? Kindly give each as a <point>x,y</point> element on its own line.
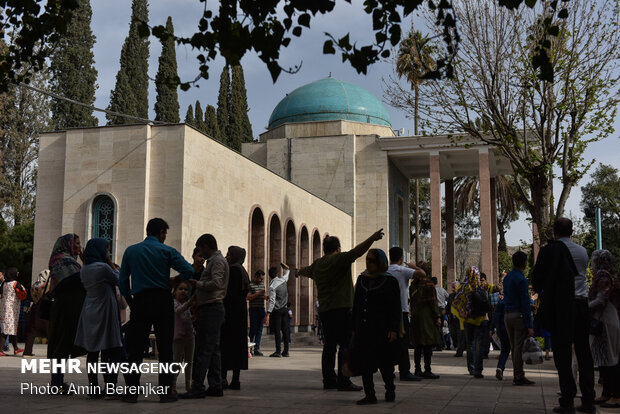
<point>532,352</point>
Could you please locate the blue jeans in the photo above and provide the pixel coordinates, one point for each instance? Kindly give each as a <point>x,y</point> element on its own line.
<point>207,353</point>
<point>505,344</point>
<point>475,347</point>
<point>257,320</point>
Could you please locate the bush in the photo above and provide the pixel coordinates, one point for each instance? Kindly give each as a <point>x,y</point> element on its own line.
<point>16,249</point>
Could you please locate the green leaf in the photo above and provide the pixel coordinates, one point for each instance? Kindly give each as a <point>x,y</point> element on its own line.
<point>530,3</point>
<point>304,20</point>
<point>563,14</point>
<point>297,31</point>
<point>328,48</point>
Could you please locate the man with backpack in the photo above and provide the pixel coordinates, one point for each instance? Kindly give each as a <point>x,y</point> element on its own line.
<point>471,306</point>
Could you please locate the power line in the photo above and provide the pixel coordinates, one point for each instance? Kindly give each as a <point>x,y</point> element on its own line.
<point>94,108</point>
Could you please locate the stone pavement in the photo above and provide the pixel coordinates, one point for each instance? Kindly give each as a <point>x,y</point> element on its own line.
<point>279,385</point>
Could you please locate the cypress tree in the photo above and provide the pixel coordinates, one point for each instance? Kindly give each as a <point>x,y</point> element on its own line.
<point>189,116</point>
<point>73,72</point>
<point>166,81</point>
<point>211,125</point>
<point>131,92</point>
<point>199,118</point>
<point>223,104</point>
<point>239,129</point>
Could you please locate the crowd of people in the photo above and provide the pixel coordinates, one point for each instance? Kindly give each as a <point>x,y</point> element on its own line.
<point>212,312</point>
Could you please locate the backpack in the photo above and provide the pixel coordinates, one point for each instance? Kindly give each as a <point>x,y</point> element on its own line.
<point>480,303</point>
<point>20,291</point>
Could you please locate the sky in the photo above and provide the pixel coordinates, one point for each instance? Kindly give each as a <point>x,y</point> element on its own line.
<point>110,25</point>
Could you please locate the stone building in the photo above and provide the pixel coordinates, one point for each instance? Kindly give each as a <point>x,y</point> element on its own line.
<point>328,164</point>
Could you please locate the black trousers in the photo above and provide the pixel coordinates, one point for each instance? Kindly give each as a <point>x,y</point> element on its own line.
<point>427,351</point>
<point>279,324</point>
<point>404,364</point>
<point>387,374</point>
<point>337,328</point>
<point>151,307</point>
<point>562,356</point>
<point>108,356</point>
<point>611,381</point>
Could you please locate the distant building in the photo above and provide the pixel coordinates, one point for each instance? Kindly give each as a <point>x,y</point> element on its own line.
<point>329,163</point>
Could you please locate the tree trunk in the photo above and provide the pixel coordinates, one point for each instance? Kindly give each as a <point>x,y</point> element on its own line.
<point>415,109</point>
<point>501,230</point>
<point>542,192</point>
<point>417,183</point>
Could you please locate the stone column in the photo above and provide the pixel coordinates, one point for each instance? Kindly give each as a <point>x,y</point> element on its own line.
<point>449,216</point>
<point>436,259</point>
<point>485,212</point>
<point>495,277</point>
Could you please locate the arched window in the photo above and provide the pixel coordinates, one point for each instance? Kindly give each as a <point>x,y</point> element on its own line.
<point>103,218</point>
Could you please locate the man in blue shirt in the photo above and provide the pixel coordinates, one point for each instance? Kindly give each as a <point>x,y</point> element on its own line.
<point>518,314</point>
<point>147,265</point>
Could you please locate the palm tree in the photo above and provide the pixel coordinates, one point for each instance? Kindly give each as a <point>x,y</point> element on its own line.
<point>508,202</point>
<point>413,61</point>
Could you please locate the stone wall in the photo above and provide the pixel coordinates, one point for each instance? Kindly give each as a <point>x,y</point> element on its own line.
<point>325,128</point>
<point>195,183</point>
<point>371,193</point>
<point>399,220</point>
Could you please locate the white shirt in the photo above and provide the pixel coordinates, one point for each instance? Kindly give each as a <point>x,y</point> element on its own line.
<point>278,301</point>
<point>581,259</point>
<point>442,296</point>
<point>403,274</point>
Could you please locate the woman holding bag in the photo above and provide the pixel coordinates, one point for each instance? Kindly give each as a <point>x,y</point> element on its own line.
<point>12,294</point>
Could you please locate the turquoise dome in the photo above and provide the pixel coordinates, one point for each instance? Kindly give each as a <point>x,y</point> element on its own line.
<point>328,100</point>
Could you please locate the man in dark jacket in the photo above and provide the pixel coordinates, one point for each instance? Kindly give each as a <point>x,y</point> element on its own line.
<point>559,278</point>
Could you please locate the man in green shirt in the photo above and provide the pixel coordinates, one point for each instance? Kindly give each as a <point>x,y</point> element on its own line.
<point>334,282</point>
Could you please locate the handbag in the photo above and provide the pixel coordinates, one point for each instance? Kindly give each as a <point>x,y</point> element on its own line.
<point>350,365</point>
<point>20,291</point>
<point>532,352</point>
<point>596,326</point>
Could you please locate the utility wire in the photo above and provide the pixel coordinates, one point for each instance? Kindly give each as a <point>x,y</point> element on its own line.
<point>94,108</point>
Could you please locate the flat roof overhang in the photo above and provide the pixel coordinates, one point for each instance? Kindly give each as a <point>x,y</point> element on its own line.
<point>458,155</point>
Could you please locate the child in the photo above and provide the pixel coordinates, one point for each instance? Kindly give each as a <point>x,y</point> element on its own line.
<point>446,333</point>
<point>183,344</point>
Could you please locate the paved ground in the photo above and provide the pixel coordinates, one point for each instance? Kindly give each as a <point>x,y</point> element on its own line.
<point>279,385</point>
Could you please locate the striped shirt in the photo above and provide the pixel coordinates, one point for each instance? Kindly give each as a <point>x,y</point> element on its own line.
<point>258,301</point>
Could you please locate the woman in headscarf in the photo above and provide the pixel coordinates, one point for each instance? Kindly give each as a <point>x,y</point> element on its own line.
<point>377,320</point>
<point>9,310</point>
<point>234,339</point>
<point>425,318</point>
<point>464,308</point>
<point>99,328</point>
<point>68,296</point>
<point>604,304</point>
